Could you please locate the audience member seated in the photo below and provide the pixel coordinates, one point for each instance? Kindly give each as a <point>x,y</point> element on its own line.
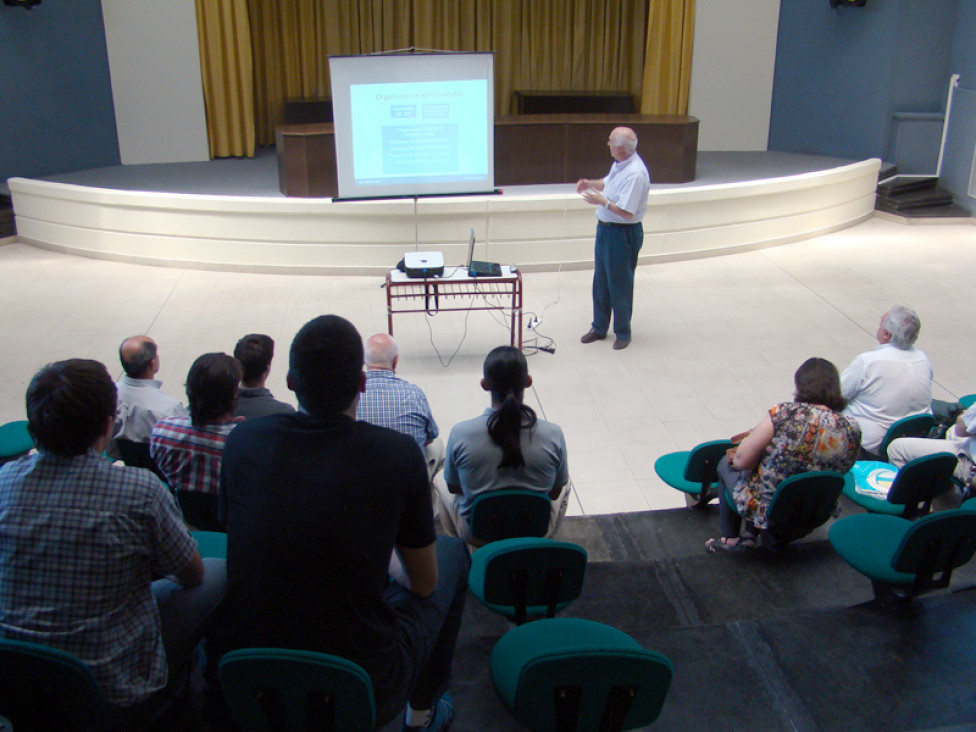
<point>314,504</point>
<point>141,402</point>
<point>508,446</point>
<point>254,399</point>
<point>81,539</point>
<point>960,440</point>
<point>890,382</point>
<point>188,449</point>
<point>389,401</point>
<point>809,433</point>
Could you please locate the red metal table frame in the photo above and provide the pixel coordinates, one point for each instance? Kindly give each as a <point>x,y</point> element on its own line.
<point>456,291</point>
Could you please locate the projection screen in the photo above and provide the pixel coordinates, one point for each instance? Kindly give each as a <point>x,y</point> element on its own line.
<point>413,124</point>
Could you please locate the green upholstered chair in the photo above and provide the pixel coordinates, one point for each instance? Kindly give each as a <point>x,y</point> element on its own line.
<point>967,400</point>
<point>969,505</point>
<point>905,558</point>
<point>800,504</point>
<point>917,425</point>
<point>917,483</point>
<point>43,688</point>
<point>527,578</point>
<point>693,471</point>
<point>508,513</point>
<point>199,509</point>
<point>272,689</point>
<point>573,675</point>
<point>15,440</point>
<point>211,543</point>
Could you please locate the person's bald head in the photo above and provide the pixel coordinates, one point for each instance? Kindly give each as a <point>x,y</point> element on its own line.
<point>623,143</point>
<point>381,352</point>
<point>139,357</point>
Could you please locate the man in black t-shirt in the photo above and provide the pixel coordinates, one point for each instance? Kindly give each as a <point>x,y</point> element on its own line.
<point>315,504</point>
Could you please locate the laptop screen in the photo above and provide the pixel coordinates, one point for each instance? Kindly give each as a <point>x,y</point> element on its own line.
<point>471,249</point>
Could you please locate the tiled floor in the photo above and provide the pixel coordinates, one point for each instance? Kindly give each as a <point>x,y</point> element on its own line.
<point>716,340</point>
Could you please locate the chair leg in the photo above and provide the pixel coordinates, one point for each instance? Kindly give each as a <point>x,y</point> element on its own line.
<point>567,704</point>
<point>618,705</point>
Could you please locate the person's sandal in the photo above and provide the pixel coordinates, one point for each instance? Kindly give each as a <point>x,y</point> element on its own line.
<point>712,546</point>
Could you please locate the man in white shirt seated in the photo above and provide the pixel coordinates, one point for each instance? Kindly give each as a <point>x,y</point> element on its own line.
<point>892,381</point>
<point>142,402</point>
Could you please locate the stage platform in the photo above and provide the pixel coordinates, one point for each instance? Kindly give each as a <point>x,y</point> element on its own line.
<point>229,215</point>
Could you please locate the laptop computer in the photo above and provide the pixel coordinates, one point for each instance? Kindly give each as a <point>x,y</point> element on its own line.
<point>481,269</point>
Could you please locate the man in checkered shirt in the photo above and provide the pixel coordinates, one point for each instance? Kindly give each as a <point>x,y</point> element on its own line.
<point>188,450</point>
<point>81,540</point>
<point>389,401</point>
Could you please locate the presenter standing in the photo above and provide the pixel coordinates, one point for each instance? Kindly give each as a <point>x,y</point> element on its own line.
<point>621,200</point>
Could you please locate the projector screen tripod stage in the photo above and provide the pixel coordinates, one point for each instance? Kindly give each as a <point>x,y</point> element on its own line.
<point>413,124</point>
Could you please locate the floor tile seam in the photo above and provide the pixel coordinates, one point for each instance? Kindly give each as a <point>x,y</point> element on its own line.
<point>758,655</point>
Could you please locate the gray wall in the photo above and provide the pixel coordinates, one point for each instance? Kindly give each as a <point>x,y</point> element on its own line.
<point>55,98</point>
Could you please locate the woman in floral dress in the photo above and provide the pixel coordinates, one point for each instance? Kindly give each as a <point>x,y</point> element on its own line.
<point>809,433</point>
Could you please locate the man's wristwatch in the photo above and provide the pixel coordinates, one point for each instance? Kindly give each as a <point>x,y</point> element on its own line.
<point>607,205</point>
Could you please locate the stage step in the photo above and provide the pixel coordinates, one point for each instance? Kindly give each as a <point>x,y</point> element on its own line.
<point>917,197</point>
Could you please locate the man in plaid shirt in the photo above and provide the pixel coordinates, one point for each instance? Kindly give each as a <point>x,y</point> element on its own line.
<point>389,401</point>
<point>81,540</point>
<point>188,450</point>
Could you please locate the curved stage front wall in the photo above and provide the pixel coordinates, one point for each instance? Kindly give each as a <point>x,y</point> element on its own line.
<point>539,232</point>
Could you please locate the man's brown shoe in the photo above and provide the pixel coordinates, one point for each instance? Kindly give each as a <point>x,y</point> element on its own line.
<point>620,344</point>
<point>590,336</point>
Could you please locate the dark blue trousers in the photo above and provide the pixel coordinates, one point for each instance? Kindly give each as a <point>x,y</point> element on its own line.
<point>615,259</point>
<point>427,630</point>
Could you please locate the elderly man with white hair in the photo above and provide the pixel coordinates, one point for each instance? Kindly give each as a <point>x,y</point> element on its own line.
<point>892,381</point>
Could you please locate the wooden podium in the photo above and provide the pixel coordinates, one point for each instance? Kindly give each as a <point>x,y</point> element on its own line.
<point>307,160</point>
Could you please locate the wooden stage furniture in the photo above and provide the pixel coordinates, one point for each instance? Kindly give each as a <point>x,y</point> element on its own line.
<point>573,102</point>
<point>529,149</point>
<point>306,160</point>
<point>456,291</point>
<point>562,148</point>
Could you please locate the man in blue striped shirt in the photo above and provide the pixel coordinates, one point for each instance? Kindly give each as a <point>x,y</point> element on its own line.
<point>389,401</point>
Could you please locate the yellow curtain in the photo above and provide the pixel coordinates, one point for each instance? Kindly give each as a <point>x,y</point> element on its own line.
<point>226,68</point>
<point>640,46</point>
<point>667,57</point>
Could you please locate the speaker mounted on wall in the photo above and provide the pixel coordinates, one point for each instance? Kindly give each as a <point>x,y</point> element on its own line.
<point>22,3</point>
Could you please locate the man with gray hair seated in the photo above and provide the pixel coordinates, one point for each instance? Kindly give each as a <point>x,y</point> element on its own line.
<point>391,402</point>
<point>892,381</point>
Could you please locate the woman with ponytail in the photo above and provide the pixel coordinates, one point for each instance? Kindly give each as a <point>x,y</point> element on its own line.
<point>506,447</point>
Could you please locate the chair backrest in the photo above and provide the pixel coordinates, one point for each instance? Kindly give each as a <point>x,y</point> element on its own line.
<point>916,425</point>
<point>199,509</point>
<point>15,440</point>
<point>136,455</point>
<point>803,502</point>
<point>574,675</point>
<point>509,513</point>
<point>43,688</point>
<point>936,544</point>
<point>280,689</point>
<point>703,460</point>
<point>920,480</point>
<point>528,577</point>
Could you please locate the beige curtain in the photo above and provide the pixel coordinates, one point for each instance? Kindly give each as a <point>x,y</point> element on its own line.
<point>228,84</point>
<point>667,57</point>
<point>640,46</point>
